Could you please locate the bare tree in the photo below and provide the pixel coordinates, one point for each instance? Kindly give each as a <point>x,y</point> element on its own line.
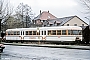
<point>24,14</point>
<point>86,31</point>
<point>5,11</point>
<point>86,5</point>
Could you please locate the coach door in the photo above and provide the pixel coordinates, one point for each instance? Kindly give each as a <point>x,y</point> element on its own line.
<point>44,35</point>
<point>22,35</point>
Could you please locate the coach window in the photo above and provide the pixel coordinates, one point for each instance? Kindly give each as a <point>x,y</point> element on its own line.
<point>80,32</point>
<point>30,32</point>
<point>58,32</point>
<point>14,32</point>
<point>26,32</point>
<point>49,32</point>
<point>75,32</point>
<point>69,32</point>
<point>9,33</point>
<point>53,32</point>
<point>63,32</point>
<point>38,33</point>
<point>34,32</point>
<point>18,33</point>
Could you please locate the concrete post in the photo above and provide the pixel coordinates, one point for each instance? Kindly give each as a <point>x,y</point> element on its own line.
<point>0,25</point>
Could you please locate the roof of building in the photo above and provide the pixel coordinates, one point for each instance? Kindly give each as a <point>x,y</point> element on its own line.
<point>63,20</point>
<point>45,16</point>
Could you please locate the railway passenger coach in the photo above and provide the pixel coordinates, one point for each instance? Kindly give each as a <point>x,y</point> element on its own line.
<point>47,34</point>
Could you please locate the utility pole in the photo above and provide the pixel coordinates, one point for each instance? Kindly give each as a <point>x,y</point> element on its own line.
<point>26,17</point>
<point>0,24</point>
<point>88,32</point>
<point>0,21</point>
<point>26,20</point>
<point>22,15</point>
<point>89,22</point>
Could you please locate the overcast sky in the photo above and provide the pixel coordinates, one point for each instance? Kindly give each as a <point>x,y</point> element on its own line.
<point>59,8</point>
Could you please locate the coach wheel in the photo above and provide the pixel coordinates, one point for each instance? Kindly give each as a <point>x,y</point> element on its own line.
<point>6,41</point>
<point>77,41</point>
<point>44,38</point>
<point>16,41</point>
<point>22,41</point>
<point>1,50</point>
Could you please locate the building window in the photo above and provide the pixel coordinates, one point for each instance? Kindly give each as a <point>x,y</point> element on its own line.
<point>82,24</point>
<point>58,24</point>
<point>44,25</point>
<point>43,20</point>
<point>9,21</point>
<point>48,25</point>
<point>51,24</point>
<point>75,24</point>
<point>67,24</point>
<point>48,16</point>
<point>55,24</point>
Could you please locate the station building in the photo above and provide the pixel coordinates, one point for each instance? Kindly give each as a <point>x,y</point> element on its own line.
<point>46,19</point>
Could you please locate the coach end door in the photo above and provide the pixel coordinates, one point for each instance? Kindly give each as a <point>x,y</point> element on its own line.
<point>44,35</point>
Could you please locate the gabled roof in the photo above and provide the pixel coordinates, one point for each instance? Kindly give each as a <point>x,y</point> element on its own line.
<point>61,20</point>
<point>64,20</point>
<point>45,16</point>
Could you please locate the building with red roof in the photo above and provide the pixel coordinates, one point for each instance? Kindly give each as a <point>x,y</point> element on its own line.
<point>46,19</point>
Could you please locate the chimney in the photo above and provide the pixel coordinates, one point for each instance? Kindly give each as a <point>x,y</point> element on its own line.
<point>48,11</point>
<point>40,11</point>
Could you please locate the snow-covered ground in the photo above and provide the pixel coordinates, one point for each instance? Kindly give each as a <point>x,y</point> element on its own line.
<point>43,53</point>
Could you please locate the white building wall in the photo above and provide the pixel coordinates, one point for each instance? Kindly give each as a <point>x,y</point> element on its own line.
<point>74,21</point>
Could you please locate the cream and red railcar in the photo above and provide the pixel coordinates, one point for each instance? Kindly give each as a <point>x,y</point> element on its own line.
<point>46,34</point>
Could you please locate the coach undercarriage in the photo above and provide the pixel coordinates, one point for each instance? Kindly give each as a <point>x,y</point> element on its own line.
<point>43,42</point>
